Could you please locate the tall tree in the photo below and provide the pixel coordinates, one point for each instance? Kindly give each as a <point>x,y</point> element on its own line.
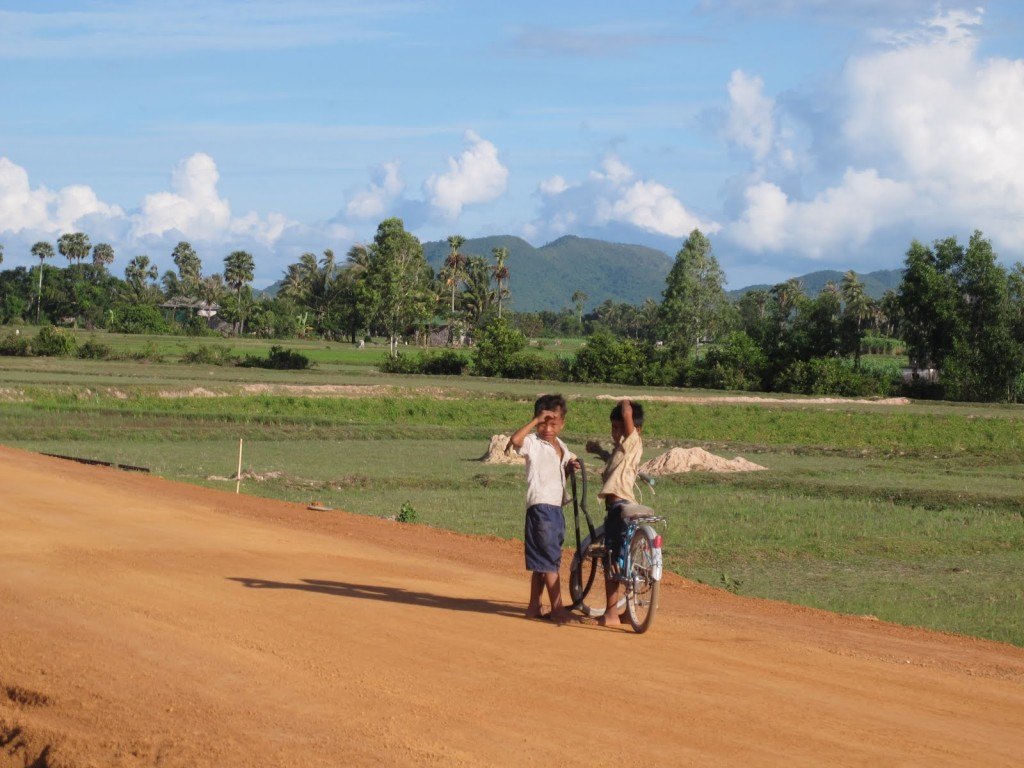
<point>857,310</point>
<point>477,295</point>
<point>74,246</point>
<point>190,268</point>
<point>693,300</point>
<point>42,250</point>
<point>140,276</point>
<point>579,299</point>
<point>501,274</point>
<point>102,256</point>
<point>455,265</point>
<point>398,280</point>
<point>239,269</point>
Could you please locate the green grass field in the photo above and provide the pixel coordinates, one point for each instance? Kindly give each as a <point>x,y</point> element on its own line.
<point>910,513</point>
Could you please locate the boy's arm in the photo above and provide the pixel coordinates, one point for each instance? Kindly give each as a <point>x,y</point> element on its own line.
<point>516,441</point>
<point>628,427</point>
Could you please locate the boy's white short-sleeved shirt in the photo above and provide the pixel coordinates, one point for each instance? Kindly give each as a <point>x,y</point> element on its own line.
<point>545,473</point>
<point>620,473</point>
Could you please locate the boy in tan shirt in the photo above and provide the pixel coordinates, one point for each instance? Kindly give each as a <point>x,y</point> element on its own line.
<point>619,476</point>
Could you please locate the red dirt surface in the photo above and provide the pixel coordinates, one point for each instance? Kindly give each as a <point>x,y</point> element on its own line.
<point>149,623</point>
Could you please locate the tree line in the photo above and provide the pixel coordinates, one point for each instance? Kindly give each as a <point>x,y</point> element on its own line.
<point>958,314</point>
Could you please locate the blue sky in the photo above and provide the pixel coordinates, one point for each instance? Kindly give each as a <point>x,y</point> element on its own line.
<point>798,134</point>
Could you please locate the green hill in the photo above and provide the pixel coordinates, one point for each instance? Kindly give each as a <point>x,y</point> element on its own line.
<point>547,277</point>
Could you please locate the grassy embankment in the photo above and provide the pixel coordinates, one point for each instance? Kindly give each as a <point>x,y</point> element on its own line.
<point>909,513</point>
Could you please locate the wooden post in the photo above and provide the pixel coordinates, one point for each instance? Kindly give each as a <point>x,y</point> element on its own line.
<point>238,475</point>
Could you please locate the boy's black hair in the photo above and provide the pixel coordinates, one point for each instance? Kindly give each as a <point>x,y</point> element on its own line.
<point>549,403</point>
<point>638,413</point>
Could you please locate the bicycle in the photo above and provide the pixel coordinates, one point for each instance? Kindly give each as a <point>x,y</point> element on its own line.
<point>638,566</point>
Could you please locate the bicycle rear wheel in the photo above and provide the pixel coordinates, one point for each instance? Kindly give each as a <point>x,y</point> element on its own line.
<point>589,558</point>
<point>642,590</point>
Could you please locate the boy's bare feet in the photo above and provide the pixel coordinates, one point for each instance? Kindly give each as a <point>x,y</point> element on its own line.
<point>534,613</point>
<point>611,619</point>
<point>561,616</point>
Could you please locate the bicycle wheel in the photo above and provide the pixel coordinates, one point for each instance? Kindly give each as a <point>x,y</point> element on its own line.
<point>583,571</point>
<point>642,589</point>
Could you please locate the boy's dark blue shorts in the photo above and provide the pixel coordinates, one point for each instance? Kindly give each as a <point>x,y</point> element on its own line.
<point>614,528</point>
<point>545,532</point>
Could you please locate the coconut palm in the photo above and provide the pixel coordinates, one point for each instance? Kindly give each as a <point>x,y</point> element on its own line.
<point>857,308</point>
<point>477,296</point>
<point>140,274</point>
<point>42,251</point>
<point>190,268</point>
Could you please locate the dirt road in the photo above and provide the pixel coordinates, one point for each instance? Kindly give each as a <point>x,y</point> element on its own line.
<point>147,623</point>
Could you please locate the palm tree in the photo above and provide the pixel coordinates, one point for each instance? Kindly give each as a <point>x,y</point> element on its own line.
<point>455,265</point>
<point>858,309</point>
<point>42,251</point>
<point>139,275</point>
<point>74,246</point>
<point>579,298</point>
<point>238,272</point>
<point>102,255</point>
<point>190,268</point>
<point>500,273</point>
<point>477,296</point>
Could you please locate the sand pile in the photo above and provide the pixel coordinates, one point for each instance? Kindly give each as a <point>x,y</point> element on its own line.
<point>496,452</point>
<point>680,460</point>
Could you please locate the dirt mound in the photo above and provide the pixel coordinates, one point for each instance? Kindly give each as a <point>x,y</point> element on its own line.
<point>496,452</point>
<point>680,460</point>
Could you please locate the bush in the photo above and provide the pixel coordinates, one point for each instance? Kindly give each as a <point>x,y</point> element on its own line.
<point>528,365</point>
<point>495,346</point>
<point>447,363</point>
<point>95,350</point>
<point>149,353</point>
<point>278,359</point>
<point>137,318</point>
<point>608,359</point>
<point>53,342</point>
<point>214,354</point>
<point>834,376</point>
<point>14,346</point>
<point>736,363</point>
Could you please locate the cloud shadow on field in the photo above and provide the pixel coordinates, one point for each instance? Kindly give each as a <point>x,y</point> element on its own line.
<point>388,594</point>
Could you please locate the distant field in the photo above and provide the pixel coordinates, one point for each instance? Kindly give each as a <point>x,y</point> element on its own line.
<point>908,513</point>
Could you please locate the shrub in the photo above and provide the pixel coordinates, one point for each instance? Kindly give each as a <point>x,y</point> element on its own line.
<point>446,363</point>
<point>137,318</point>
<point>495,346</point>
<point>608,359</point>
<point>407,514</point>
<point>14,346</point>
<point>214,354</point>
<point>95,350</point>
<point>149,353</point>
<point>528,365</point>
<point>736,363</point>
<point>278,359</point>
<point>53,342</point>
<point>834,376</point>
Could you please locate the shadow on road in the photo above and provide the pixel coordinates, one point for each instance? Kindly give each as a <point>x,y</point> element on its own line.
<point>388,594</point>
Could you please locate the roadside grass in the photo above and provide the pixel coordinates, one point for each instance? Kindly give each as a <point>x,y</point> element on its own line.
<point>910,514</point>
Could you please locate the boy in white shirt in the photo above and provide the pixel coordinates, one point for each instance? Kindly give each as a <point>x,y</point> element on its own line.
<point>547,461</point>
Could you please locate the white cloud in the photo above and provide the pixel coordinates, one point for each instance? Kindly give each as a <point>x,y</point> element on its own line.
<point>475,176</point>
<point>23,208</point>
<point>195,209</point>
<point>556,185</point>
<point>936,135</point>
<point>373,201</point>
<point>750,125</point>
<point>836,219</point>
<point>614,196</point>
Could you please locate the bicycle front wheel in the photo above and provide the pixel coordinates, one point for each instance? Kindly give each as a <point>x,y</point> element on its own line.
<point>643,587</point>
<point>583,571</point>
